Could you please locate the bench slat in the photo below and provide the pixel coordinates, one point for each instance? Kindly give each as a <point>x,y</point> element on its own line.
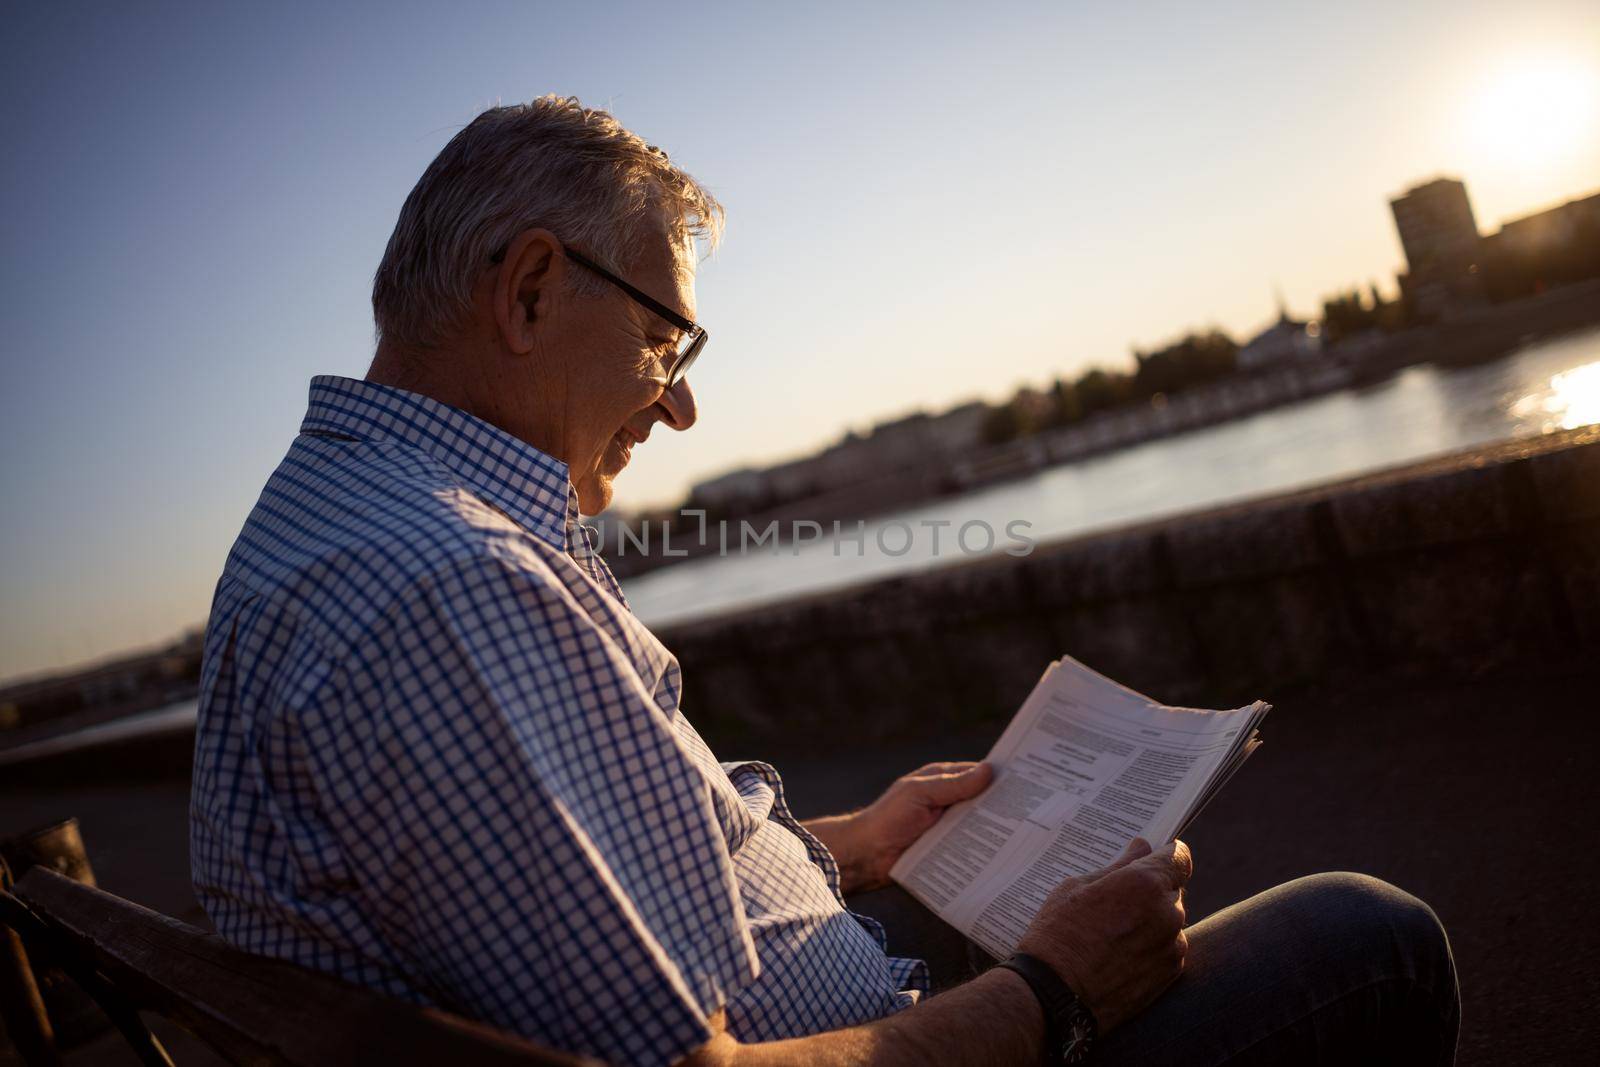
<point>256,1010</point>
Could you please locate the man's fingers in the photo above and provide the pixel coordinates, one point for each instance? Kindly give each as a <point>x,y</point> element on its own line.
<point>928,770</point>
<point>952,786</point>
<point>1137,849</point>
<point>1173,863</point>
<point>1183,862</point>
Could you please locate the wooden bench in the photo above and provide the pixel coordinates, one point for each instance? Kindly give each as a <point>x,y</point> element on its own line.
<point>249,1009</point>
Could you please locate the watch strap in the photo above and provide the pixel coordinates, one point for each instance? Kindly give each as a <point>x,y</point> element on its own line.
<point>1070,1029</point>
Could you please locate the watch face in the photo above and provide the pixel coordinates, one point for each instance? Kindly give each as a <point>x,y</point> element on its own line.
<point>1075,1049</point>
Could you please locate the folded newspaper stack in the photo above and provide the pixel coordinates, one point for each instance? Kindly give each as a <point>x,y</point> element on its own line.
<point>1086,766</point>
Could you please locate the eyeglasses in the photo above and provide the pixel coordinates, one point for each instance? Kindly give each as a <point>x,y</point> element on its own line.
<point>691,337</point>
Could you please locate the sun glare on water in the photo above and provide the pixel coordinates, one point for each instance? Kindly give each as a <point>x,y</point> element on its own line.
<point>1571,400</point>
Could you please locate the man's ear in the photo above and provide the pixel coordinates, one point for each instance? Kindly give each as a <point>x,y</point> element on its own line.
<point>525,288</point>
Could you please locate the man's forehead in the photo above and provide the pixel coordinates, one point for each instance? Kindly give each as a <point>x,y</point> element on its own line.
<point>680,269</point>
<point>684,262</point>
<point>666,271</point>
<point>671,260</point>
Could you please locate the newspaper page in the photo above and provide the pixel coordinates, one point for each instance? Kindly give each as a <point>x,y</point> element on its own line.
<point>1084,767</point>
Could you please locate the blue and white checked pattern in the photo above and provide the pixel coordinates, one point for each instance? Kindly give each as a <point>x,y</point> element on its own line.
<point>438,755</point>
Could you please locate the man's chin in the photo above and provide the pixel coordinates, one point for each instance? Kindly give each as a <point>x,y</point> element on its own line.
<point>594,492</point>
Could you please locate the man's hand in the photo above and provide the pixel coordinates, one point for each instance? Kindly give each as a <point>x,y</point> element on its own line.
<point>1116,936</point>
<point>867,843</point>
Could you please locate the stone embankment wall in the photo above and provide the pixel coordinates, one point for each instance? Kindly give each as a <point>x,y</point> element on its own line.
<point>1482,562</point>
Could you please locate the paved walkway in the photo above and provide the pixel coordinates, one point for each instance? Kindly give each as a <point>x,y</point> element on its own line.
<point>1477,797</point>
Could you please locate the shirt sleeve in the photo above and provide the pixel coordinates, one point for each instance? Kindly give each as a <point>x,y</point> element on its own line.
<point>526,826</point>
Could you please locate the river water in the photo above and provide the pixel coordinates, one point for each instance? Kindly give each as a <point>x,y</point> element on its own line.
<point>1421,412</point>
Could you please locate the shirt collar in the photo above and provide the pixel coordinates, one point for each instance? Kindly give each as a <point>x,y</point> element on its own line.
<point>533,488</point>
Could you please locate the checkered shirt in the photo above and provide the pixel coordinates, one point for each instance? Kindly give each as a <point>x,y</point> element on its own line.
<point>438,756</point>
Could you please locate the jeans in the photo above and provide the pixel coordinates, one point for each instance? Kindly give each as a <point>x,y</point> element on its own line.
<point>1329,969</point>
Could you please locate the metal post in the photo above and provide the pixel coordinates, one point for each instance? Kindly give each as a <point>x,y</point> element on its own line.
<point>75,1018</point>
<point>21,1006</point>
<point>58,846</point>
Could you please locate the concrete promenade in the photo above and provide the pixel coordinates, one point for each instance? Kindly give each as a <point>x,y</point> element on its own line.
<point>1475,795</point>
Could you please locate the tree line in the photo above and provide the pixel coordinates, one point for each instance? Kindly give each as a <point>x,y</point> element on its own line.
<point>1194,359</point>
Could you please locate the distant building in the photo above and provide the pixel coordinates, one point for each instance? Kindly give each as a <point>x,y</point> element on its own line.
<point>961,427</point>
<point>899,444</point>
<point>1440,239</point>
<point>1285,341</point>
<point>730,493</point>
<point>145,678</point>
<point>1554,247</point>
<point>1551,229</point>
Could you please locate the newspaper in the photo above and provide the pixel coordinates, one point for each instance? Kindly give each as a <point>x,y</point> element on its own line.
<point>1084,767</point>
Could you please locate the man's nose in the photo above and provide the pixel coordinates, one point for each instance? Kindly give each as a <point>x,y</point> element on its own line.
<point>678,403</point>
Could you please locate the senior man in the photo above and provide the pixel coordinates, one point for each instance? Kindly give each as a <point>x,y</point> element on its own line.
<point>438,755</point>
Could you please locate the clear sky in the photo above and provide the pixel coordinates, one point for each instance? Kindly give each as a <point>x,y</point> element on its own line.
<point>926,203</point>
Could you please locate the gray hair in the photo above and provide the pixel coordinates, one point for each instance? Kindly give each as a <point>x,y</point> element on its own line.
<point>551,163</point>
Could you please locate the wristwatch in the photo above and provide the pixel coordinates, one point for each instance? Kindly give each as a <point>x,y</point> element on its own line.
<point>1069,1026</point>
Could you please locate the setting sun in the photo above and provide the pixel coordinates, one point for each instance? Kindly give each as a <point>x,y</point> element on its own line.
<point>1538,110</point>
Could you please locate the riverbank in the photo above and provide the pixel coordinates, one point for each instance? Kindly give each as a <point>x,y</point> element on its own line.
<point>1416,416</point>
<point>1474,337</point>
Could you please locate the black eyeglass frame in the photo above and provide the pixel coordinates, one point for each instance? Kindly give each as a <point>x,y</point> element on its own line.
<point>694,335</point>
